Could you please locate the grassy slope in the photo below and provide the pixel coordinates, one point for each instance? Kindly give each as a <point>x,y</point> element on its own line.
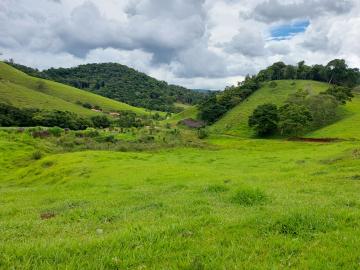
<point>22,90</point>
<point>235,122</point>
<point>177,211</point>
<point>348,127</point>
<point>190,112</point>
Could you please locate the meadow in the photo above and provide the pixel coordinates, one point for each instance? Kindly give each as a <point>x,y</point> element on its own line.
<point>232,203</point>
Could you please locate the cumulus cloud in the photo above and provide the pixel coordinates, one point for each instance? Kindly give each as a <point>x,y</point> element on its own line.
<point>248,42</point>
<point>195,43</point>
<point>276,10</point>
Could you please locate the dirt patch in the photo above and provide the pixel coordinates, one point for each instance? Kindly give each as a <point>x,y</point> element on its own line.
<point>315,140</point>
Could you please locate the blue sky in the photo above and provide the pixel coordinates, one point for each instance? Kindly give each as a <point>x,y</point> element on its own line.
<point>287,31</point>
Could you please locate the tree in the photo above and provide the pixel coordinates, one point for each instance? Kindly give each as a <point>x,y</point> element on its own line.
<point>337,71</point>
<point>264,119</point>
<point>293,119</point>
<point>211,110</point>
<point>342,94</point>
<point>100,121</point>
<point>322,108</point>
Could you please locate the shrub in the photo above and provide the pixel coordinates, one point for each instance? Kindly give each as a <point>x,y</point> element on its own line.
<point>55,131</point>
<point>36,155</point>
<point>202,133</point>
<point>342,94</point>
<point>100,121</point>
<point>249,197</point>
<point>87,105</point>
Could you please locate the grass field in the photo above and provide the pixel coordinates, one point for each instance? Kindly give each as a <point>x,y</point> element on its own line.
<point>237,204</point>
<point>235,122</point>
<point>22,90</point>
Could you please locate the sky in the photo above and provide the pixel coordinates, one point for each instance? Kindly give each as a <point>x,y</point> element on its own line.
<point>199,44</point>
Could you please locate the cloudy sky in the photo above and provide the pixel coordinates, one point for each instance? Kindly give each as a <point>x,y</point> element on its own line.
<point>204,44</point>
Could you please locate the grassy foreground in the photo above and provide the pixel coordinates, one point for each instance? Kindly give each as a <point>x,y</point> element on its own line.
<point>240,204</point>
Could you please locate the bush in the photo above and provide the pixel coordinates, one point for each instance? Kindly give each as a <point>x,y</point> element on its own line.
<point>55,131</point>
<point>202,133</point>
<point>342,94</point>
<point>87,105</point>
<point>36,155</point>
<point>100,121</point>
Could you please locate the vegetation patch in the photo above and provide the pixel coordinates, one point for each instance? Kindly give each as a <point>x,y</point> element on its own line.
<point>216,188</point>
<point>302,224</point>
<point>249,197</point>
<point>47,215</point>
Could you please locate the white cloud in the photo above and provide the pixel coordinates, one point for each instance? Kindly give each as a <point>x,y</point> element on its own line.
<point>195,43</point>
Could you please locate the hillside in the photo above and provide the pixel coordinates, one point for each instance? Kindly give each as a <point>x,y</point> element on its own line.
<point>235,122</point>
<point>121,83</point>
<point>24,91</point>
<point>347,127</point>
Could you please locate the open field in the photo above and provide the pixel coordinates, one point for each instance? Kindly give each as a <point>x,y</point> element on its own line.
<point>22,90</point>
<point>237,204</point>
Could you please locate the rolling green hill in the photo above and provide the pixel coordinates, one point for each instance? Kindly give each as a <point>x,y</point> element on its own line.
<point>121,83</point>
<point>235,122</point>
<point>24,91</point>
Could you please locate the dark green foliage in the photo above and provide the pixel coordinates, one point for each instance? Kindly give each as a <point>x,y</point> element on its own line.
<point>12,116</point>
<point>265,119</point>
<point>211,110</point>
<point>87,105</point>
<point>293,119</point>
<point>121,83</point>
<point>60,119</point>
<point>101,121</point>
<point>342,94</point>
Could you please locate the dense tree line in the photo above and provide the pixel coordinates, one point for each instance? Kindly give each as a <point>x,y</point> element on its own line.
<point>11,116</point>
<point>336,72</point>
<point>300,112</point>
<point>121,83</point>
